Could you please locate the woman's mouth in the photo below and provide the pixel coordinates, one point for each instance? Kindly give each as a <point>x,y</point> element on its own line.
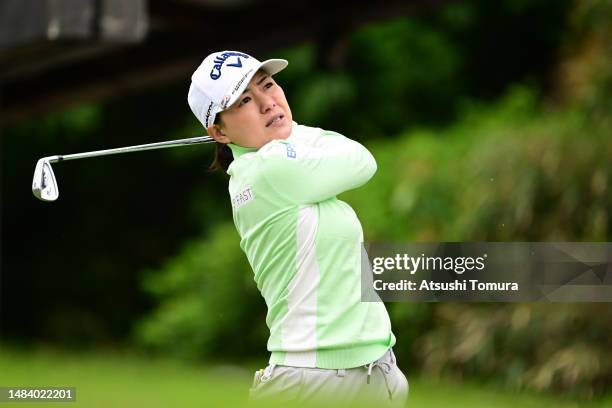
<point>276,120</point>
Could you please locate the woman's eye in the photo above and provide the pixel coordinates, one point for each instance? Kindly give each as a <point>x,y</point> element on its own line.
<point>245,100</point>
<point>269,85</point>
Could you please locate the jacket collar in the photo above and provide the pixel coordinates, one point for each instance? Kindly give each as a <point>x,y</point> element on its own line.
<point>238,150</point>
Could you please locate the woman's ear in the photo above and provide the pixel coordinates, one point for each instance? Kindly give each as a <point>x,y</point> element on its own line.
<point>216,133</point>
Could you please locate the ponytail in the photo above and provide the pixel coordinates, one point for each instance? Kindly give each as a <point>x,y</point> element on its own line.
<point>223,154</point>
<point>223,157</point>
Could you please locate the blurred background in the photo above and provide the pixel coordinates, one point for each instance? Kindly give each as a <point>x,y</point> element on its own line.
<point>490,121</point>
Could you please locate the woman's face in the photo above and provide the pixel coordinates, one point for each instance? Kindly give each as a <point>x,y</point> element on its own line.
<point>260,115</point>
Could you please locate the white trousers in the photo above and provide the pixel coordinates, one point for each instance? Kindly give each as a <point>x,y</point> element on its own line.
<point>381,383</point>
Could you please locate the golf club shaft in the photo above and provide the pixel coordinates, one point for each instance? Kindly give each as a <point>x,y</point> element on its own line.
<point>128,149</point>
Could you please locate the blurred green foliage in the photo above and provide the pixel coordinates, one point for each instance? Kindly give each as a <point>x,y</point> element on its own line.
<point>419,71</point>
<point>558,347</point>
<point>504,173</point>
<point>395,74</point>
<point>585,76</point>
<point>407,71</point>
<point>210,302</point>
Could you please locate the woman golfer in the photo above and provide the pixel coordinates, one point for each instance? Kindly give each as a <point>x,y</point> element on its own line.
<point>303,244</point>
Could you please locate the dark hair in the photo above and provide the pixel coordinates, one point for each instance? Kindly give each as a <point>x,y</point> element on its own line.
<point>223,154</point>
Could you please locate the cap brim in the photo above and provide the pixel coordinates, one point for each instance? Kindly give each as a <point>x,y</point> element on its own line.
<point>271,67</point>
<point>274,66</point>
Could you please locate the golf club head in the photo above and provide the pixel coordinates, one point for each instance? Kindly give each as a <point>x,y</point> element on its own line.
<point>44,185</point>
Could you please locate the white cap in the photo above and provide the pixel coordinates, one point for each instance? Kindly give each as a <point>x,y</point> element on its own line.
<point>221,79</point>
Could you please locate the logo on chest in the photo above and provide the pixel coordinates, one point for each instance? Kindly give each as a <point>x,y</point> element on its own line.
<point>242,198</point>
<point>291,153</point>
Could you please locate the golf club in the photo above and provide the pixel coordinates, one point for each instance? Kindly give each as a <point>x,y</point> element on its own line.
<point>44,184</point>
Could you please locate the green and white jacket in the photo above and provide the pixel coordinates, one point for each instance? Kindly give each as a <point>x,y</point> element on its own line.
<point>304,246</point>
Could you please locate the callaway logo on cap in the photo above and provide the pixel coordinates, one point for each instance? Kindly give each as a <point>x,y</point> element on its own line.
<point>221,79</point>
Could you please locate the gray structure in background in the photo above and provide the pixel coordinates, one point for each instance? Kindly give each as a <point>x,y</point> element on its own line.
<point>26,21</point>
<point>57,53</point>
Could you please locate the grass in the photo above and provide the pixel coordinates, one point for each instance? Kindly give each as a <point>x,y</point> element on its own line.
<point>126,380</point>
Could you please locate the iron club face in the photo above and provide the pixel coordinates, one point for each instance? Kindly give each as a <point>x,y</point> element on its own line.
<point>44,185</point>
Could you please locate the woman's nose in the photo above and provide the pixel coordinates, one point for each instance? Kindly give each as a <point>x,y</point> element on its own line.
<point>267,103</point>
